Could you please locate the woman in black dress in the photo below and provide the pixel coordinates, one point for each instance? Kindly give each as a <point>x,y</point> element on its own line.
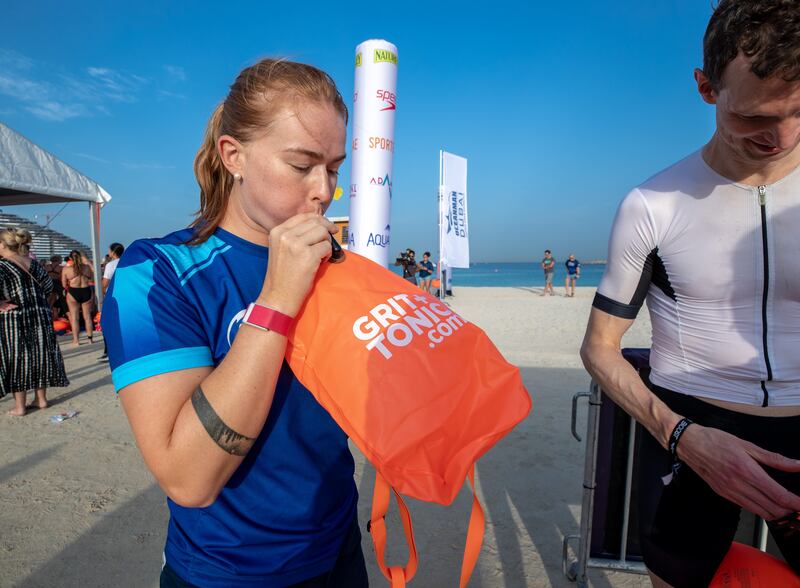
<point>29,355</point>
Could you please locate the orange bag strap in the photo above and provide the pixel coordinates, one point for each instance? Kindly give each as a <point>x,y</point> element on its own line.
<point>397,575</point>
<point>477,526</point>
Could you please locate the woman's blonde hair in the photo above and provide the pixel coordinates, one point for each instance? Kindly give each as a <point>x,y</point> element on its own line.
<point>77,260</point>
<point>18,240</point>
<point>258,94</point>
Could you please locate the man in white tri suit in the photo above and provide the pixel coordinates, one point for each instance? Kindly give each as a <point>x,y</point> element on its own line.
<point>713,244</point>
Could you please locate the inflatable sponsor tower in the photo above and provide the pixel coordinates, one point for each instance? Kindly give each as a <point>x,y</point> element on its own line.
<point>372,150</point>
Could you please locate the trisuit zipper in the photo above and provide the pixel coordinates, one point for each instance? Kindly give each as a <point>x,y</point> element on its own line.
<point>762,203</point>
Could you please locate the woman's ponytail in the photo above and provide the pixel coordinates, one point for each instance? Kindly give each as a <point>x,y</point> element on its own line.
<point>214,179</point>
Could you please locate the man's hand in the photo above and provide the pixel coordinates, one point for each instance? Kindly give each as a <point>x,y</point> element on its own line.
<point>732,467</point>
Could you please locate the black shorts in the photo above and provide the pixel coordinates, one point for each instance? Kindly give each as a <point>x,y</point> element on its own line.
<point>686,528</point>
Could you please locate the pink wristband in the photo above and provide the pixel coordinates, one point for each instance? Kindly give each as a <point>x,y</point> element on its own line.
<point>267,319</point>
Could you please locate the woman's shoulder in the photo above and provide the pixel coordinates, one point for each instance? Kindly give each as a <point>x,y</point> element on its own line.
<point>156,258</point>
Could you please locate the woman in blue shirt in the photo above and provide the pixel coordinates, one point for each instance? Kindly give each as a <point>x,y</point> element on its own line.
<point>258,476</point>
<point>425,268</point>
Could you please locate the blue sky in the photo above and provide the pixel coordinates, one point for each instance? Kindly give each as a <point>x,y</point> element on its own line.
<point>560,107</point>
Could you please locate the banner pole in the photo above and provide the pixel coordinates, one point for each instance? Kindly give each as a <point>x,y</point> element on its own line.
<point>442,285</point>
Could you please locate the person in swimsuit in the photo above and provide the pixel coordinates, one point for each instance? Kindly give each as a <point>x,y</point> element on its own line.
<point>76,278</point>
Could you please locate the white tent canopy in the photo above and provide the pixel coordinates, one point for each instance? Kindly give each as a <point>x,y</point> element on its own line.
<point>31,175</point>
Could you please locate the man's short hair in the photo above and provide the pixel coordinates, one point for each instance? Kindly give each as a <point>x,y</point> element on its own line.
<point>765,31</point>
<point>547,251</point>
<point>411,251</point>
<point>117,248</point>
<point>56,259</point>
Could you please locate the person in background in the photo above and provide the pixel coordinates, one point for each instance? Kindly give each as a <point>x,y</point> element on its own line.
<point>29,355</point>
<point>409,263</point>
<point>76,279</point>
<point>549,266</point>
<point>115,251</point>
<point>426,268</point>
<point>259,477</point>
<point>58,302</point>
<point>573,274</point>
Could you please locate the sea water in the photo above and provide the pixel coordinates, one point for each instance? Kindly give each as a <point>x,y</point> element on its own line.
<point>519,275</point>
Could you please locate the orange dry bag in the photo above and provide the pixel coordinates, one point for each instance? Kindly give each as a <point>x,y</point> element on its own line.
<point>361,344</point>
<point>747,567</point>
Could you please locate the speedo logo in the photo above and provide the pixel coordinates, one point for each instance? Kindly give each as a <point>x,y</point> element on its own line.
<point>395,323</point>
<point>388,98</point>
<point>384,56</point>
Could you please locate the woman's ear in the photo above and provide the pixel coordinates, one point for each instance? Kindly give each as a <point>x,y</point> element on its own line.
<point>232,154</point>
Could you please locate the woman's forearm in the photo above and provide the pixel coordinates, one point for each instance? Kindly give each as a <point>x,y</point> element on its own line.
<point>220,415</point>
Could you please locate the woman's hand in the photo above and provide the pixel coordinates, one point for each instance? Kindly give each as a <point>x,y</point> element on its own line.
<point>296,249</point>
<point>6,305</point>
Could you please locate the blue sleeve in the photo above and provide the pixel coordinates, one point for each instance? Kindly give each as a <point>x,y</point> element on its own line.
<point>148,323</point>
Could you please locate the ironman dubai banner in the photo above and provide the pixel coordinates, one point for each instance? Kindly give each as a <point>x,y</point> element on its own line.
<point>372,149</point>
<point>453,225</point>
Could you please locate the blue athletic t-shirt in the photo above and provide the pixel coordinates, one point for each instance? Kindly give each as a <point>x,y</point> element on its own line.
<point>572,266</point>
<point>424,273</point>
<point>282,516</point>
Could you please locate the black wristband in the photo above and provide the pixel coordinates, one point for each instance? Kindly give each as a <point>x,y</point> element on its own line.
<point>676,435</point>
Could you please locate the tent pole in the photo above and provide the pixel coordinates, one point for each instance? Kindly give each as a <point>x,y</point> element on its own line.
<point>94,223</point>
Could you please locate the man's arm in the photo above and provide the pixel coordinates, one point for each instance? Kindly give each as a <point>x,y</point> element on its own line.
<point>728,464</point>
<point>603,360</point>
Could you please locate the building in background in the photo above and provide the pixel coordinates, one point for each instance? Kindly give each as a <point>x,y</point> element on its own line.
<point>46,241</point>
<point>343,222</point>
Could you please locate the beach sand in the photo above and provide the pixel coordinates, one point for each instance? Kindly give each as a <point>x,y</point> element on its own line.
<point>79,508</point>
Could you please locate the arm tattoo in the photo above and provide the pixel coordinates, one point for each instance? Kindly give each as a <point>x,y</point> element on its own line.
<point>231,441</point>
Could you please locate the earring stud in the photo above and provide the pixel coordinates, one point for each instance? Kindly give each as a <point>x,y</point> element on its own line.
<point>238,177</point>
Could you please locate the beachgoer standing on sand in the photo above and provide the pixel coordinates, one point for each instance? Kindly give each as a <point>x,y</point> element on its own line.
<point>115,251</point>
<point>76,278</point>
<point>426,268</point>
<point>29,355</point>
<point>573,274</point>
<point>722,404</point>
<point>258,475</point>
<point>409,263</point>
<point>58,304</point>
<point>549,266</point>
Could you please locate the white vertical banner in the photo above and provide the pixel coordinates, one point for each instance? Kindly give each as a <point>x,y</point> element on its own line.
<point>372,149</point>
<point>453,224</point>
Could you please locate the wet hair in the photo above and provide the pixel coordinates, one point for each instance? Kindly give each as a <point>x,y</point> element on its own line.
<point>547,251</point>
<point>18,240</point>
<point>767,32</point>
<point>255,98</point>
<point>428,253</point>
<point>117,249</point>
